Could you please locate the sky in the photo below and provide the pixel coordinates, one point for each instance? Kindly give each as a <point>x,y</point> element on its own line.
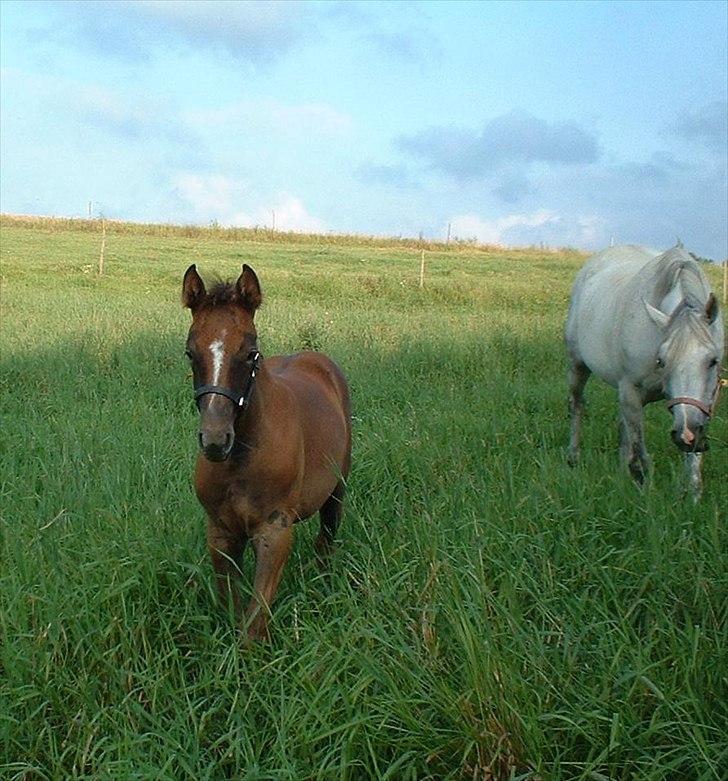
<point>518,123</point>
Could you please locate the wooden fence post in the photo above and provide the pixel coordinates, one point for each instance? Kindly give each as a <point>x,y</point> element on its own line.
<point>103,246</point>
<point>422,270</point>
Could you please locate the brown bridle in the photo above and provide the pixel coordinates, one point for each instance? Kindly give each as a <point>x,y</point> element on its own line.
<point>702,406</point>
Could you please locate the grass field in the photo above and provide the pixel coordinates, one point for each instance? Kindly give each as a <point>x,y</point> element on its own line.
<point>491,614</point>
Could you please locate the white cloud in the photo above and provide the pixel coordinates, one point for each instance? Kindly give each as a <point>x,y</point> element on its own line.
<point>470,226</point>
<point>291,215</point>
<point>542,226</point>
<point>208,195</point>
<point>232,203</point>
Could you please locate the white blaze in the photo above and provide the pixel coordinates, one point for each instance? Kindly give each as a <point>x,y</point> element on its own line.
<point>217,348</point>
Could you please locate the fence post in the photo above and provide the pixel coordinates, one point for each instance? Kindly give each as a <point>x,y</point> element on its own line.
<point>103,246</point>
<point>422,270</point>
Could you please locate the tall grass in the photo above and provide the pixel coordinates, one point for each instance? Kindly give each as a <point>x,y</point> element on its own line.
<point>491,613</point>
<point>258,233</point>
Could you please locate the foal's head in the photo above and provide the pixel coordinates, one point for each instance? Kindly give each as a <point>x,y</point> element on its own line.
<point>223,352</point>
<point>689,361</point>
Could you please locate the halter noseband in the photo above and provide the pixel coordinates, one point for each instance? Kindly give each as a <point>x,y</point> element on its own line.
<point>704,408</point>
<point>238,399</point>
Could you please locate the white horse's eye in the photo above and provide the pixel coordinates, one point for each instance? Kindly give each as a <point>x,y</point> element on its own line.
<point>713,363</point>
<point>660,363</point>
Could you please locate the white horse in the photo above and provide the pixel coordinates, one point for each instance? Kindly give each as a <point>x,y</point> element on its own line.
<point>647,324</point>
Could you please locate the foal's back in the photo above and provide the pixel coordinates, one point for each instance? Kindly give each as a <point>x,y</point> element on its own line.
<point>316,389</point>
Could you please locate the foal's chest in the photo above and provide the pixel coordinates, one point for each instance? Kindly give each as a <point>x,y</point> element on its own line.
<point>244,501</point>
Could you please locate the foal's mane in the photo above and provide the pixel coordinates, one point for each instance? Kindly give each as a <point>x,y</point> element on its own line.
<point>222,292</point>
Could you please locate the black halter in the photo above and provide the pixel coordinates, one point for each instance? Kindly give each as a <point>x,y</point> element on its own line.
<point>238,399</point>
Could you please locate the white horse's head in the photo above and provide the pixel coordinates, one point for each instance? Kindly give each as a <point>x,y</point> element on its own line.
<point>689,360</point>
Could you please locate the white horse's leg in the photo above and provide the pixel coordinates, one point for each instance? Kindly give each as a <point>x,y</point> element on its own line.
<point>634,453</point>
<point>693,469</point>
<point>578,376</point>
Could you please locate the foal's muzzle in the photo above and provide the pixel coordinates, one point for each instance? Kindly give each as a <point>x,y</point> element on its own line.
<point>216,450</point>
<point>216,435</point>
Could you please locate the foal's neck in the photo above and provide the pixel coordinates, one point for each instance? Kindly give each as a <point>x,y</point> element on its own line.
<point>248,422</point>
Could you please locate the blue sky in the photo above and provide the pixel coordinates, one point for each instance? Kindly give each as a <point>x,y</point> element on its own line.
<point>517,123</point>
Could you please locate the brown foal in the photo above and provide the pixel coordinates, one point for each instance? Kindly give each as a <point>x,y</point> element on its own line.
<point>275,441</point>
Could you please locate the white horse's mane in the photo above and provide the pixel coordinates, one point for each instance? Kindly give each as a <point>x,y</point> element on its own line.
<point>677,266</point>
<point>687,321</point>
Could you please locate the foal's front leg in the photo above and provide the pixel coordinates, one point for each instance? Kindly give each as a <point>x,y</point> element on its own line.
<point>633,449</point>
<point>226,551</point>
<point>272,546</point>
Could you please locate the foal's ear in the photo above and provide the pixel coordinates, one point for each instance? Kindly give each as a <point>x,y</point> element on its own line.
<point>249,289</point>
<point>711,308</point>
<point>660,319</point>
<point>193,288</point>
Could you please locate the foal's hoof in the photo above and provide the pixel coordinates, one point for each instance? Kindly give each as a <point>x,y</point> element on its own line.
<point>323,549</point>
<point>572,458</point>
<point>251,637</point>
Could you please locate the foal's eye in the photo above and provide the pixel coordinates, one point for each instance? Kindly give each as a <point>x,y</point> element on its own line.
<point>188,354</point>
<point>660,363</point>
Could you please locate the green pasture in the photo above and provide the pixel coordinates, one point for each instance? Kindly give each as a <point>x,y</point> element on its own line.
<point>491,613</point>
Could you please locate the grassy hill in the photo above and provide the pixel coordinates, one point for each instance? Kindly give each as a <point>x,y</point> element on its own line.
<point>491,614</point>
